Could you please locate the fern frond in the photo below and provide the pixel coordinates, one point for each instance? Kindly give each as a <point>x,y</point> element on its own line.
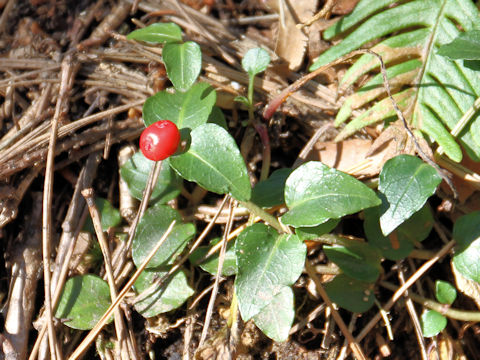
<point>441,90</point>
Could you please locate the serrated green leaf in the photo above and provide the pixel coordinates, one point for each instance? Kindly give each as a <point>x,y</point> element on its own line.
<point>351,294</point>
<point>270,192</point>
<point>135,173</point>
<point>445,89</point>
<point>166,298</point>
<point>214,162</point>
<point>266,263</point>
<point>151,228</point>
<point>255,61</point>
<point>445,292</point>
<point>312,233</point>
<point>84,300</point>
<point>183,63</point>
<point>466,231</point>
<point>464,46</point>
<point>432,323</point>
<point>211,264</point>
<point>406,182</point>
<point>315,193</point>
<point>186,110</point>
<point>415,229</point>
<point>276,319</point>
<point>357,260</point>
<point>157,33</point>
<point>110,216</point>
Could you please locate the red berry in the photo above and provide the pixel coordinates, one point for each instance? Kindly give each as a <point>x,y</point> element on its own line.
<point>159,140</point>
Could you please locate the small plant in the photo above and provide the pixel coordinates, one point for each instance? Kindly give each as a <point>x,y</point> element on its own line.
<point>267,258</point>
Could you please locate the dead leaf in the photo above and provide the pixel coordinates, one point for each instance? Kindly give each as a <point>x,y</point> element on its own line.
<point>343,7</point>
<point>466,286</point>
<point>292,42</point>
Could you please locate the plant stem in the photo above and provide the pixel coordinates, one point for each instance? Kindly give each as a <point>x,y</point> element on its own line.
<point>265,216</point>
<point>443,309</point>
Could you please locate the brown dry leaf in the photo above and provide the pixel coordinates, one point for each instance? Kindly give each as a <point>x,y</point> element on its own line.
<point>343,7</point>
<point>292,42</point>
<point>364,157</point>
<point>466,286</point>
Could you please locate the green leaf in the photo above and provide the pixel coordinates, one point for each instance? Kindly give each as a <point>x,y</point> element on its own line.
<point>170,296</point>
<point>186,110</point>
<point>242,99</point>
<point>211,264</point>
<point>269,192</point>
<point>183,63</point>
<point>432,323</point>
<point>276,319</point>
<point>466,232</point>
<point>214,162</point>
<point>151,228</point>
<point>351,294</point>
<point>415,229</point>
<point>266,262</point>
<point>84,300</point>
<point>157,33</point>
<point>135,173</point>
<point>406,182</point>
<point>358,260</point>
<point>255,61</point>
<point>444,89</point>
<point>464,46</point>
<point>315,193</point>
<point>312,233</point>
<point>445,292</point>
<point>217,117</point>
<point>110,216</point>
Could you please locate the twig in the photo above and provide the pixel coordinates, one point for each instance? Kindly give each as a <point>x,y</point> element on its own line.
<point>354,345</point>
<point>221,259</point>
<point>400,291</point>
<point>101,323</point>
<point>66,84</point>
<point>413,316</point>
<point>324,13</point>
<point>462,315</point>
<point>97,224</point>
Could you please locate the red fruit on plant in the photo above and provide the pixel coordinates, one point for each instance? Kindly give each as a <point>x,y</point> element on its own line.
<point>159,140</point>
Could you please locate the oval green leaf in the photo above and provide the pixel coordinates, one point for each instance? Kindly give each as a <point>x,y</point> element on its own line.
<point>358,260</point>
<point>84,300</point>
<point>151,228</point>
<point>214,162</point>
<point>400,243</point>
<point>186,110</point>
<point>351,294</point>
<point>135,173</point>
<point>170,296</point>
<point>276,319</point>
<point>183,63</point>
<point>315,193</point>
<point>157,33</point>
<point>406,182</point>
<point>445,292</point>
<point>266,263</point>
<point>432,323</point>
<point>110,216</point>
<point>255,61</point>
<point>270,192</point>
<point>211,264</point>
<point>312,233</point>
<point>466,232</point>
